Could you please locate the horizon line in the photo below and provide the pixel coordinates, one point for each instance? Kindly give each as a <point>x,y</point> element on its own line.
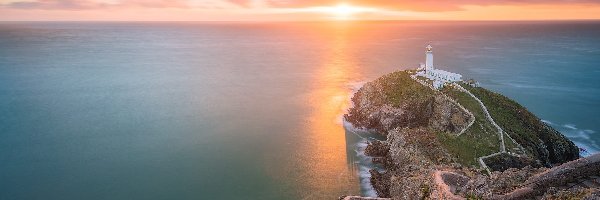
<point>332,21</point>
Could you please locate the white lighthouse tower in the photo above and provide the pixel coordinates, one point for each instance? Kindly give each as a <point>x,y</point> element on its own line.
<point>438,76</point>
<point>429,59</point>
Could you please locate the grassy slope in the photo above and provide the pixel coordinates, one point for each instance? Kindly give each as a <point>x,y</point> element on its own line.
<point>522,125</point>
<point>479,140</point>
<point>398,87</point>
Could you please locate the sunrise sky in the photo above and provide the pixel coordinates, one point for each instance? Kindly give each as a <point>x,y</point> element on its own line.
<point>295,10</point>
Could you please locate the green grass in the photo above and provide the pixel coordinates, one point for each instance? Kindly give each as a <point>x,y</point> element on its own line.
<point>480,139</point>
<point>512,117</point>
<point>465,149</point>
<point>425,79</point>
<point>398,87</point>
<point>517,121</point>
<point>511,146</point>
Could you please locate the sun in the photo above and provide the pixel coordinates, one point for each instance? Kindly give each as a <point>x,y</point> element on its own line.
<point>343,11</point>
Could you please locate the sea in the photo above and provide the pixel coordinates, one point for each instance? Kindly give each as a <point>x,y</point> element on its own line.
<point>250,110</point>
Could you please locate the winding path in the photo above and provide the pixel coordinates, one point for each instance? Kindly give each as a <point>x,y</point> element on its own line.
<point>501,132</point>
<point>471,118</point>
<point>487,116</point>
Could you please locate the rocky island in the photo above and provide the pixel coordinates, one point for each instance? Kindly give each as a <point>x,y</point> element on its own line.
<point>465,142</point>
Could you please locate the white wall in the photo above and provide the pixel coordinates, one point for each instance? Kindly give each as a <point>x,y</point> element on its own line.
<point>429,60</point>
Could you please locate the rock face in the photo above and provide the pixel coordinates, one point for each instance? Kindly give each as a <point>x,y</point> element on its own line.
<point>413,156</point>
<point>505,161</point>
<point>379,107</point>
<point>410,115</point>
<point>571,180</point>
<point>447,116</point>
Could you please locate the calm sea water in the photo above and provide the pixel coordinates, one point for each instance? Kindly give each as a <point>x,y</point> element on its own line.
<point>248,111</point>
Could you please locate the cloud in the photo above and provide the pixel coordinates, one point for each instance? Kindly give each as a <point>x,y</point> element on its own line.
<point>421,5</point>
<point>55,5</point>
<point>156,3</point>
<point>90,4</point>
<point>398,5</point>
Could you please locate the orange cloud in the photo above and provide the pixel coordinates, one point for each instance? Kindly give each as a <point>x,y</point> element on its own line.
<point>420,5</point>
<point>52,4</point>
<point>90,4</point>
<point>294,10</point>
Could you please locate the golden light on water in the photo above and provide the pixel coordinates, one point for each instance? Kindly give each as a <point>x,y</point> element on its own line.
<point>329,101</point>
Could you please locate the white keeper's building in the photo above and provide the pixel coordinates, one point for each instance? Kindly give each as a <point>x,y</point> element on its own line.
<point>438,76</point>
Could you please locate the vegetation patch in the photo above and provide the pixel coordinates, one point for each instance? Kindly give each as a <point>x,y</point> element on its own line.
<point>480,139</point>
<point>398,88</point>
<point>539,139</point>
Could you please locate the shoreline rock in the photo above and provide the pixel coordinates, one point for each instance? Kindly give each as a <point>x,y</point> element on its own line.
<point>414,118</point>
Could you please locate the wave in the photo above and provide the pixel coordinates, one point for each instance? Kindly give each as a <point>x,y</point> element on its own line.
<point>353,87</point>
<point>365,164</point>
<point>541,87</point>
<point>363,161</point>
<point>570,126</point>
<point>581,137</point>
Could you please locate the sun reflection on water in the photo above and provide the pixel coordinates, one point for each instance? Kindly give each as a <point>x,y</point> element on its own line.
<point>329,100</point>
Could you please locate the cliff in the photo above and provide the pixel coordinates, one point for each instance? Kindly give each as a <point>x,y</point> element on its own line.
<point>395,100</point>
<point>445,133</point>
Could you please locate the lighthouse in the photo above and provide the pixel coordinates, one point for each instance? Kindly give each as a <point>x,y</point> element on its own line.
<point>429,58</point>
<point>438,76</point>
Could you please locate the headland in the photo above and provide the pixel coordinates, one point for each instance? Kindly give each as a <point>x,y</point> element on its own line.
<point>451,139</point>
